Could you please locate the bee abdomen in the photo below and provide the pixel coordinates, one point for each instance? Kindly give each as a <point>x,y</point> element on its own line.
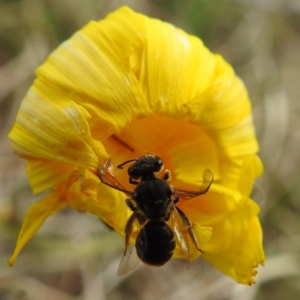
<point>155,243</point>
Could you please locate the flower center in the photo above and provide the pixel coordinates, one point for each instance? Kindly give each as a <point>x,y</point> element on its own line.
<point>186,149</point>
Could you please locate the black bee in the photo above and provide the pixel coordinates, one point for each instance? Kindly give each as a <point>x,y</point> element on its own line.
<point>153,204</point>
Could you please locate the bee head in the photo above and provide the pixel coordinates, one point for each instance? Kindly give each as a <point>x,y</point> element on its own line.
<point>144,165</point>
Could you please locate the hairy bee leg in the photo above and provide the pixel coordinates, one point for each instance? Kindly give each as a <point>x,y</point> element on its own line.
<point>167,175</point>
<point>130,204</point>
<point>175,200</point>
<point>188,224</point>
<point>140,217</point>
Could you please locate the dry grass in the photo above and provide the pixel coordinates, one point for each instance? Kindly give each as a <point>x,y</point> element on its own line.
<point>77,255</point>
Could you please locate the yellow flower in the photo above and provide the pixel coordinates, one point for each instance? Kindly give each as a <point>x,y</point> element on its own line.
<point>126,86</point>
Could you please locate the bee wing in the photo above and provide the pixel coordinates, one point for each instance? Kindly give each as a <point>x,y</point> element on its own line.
<point>129,260</point>
<point>105,172</point>
<point>180,231</point>
<point>208,178</point>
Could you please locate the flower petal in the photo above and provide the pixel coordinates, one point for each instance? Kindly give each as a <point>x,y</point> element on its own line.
<point>44,174</point>
<point>236,244</point>
<point>168,76</point>
<point>35,217</point>
<point>110,207</point>
<point>211,208</point>
<point>94,65</point>
<point>50,125</point>
<point>87,194</point>
<point>226,112</point>
<point>252,168</point>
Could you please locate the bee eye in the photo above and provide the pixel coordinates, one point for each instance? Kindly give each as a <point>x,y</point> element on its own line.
<point>157,164</point>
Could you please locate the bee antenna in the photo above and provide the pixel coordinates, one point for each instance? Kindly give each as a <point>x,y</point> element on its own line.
<point>124,163</point>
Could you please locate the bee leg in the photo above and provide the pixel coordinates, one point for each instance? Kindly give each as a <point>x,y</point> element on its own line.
<point>140,217</point>
<point>188,225</point>
<point>167,175</point>
<point>130,204</point>
<point>133,181</point>
<point>174,198</point>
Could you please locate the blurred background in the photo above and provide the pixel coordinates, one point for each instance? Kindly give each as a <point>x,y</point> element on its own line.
<point>75,256</point>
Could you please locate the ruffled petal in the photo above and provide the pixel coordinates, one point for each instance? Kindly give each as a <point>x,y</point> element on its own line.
<point>168,75</point>
<point>51,126</point>
<point>226,110</point>
<point>211,208</point>
<point>87,194</point>
<point>236,244</point>
<point>94,66</point>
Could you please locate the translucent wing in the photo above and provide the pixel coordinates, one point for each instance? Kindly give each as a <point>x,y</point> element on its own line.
<point>129,260</point>
<point>208,178</point>
<point>188,227</point>
<point>180,231</point>
<point>106,176</point>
